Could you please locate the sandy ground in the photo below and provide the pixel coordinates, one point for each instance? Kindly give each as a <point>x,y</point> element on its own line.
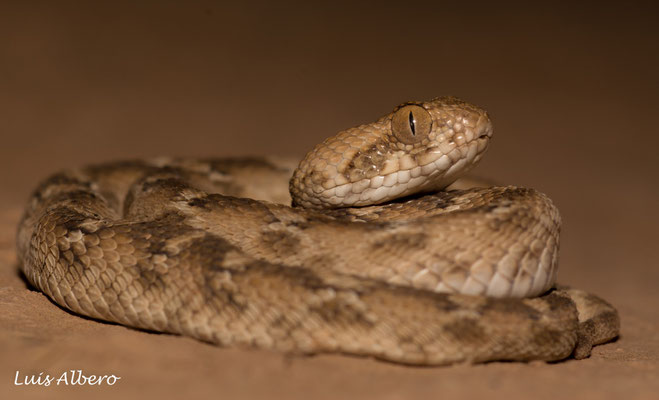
<point>572,92</point>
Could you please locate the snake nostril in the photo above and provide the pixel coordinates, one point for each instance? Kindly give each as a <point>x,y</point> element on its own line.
<point>485,130</point>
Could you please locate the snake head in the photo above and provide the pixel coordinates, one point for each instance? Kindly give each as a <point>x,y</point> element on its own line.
<point>418,147</point>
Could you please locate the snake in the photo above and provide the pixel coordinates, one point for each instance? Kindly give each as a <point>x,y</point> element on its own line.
<point>367,247</point>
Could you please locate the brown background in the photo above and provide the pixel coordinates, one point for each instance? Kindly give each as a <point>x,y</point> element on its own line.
<point>572,91</point>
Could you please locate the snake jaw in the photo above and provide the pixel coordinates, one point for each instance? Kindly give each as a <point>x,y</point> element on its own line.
<point>381,161</point>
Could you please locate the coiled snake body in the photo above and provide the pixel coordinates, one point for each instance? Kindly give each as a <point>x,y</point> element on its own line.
<point>436,277</point>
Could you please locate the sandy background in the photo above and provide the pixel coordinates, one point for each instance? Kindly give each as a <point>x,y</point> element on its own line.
<point>572,91</point>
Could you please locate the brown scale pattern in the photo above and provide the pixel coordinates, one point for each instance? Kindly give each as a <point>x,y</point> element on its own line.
<point>154,245</point>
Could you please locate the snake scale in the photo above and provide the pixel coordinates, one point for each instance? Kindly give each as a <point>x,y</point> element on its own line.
<point>373,258</point>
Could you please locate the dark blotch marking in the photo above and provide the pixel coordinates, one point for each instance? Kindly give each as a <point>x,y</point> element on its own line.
<point>547,337</point>
<point>510,306</point>
<point>60,179</point>
<point>72,219</point>
<point>199,202</point>
<point>78,197</point>
<point>282,241</point>
<point>339,312</point>
<point>610,319</point>
<point>214,250</point>
<point>169,184</point>
<point>557,302</point>
<point>466,330</point>
<point>310,218</point>
<point>161,230</point>
<point>444,303</point>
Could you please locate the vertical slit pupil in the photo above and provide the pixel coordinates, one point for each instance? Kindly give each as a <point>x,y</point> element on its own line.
<point>412,123</point>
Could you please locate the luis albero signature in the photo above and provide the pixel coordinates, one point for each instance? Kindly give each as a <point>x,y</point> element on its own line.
<point>73,377</point>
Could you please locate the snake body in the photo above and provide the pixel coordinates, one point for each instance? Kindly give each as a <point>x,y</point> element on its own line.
<point>212,249</point>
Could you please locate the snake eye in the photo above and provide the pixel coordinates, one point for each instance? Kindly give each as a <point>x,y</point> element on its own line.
<point>411,124</point>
